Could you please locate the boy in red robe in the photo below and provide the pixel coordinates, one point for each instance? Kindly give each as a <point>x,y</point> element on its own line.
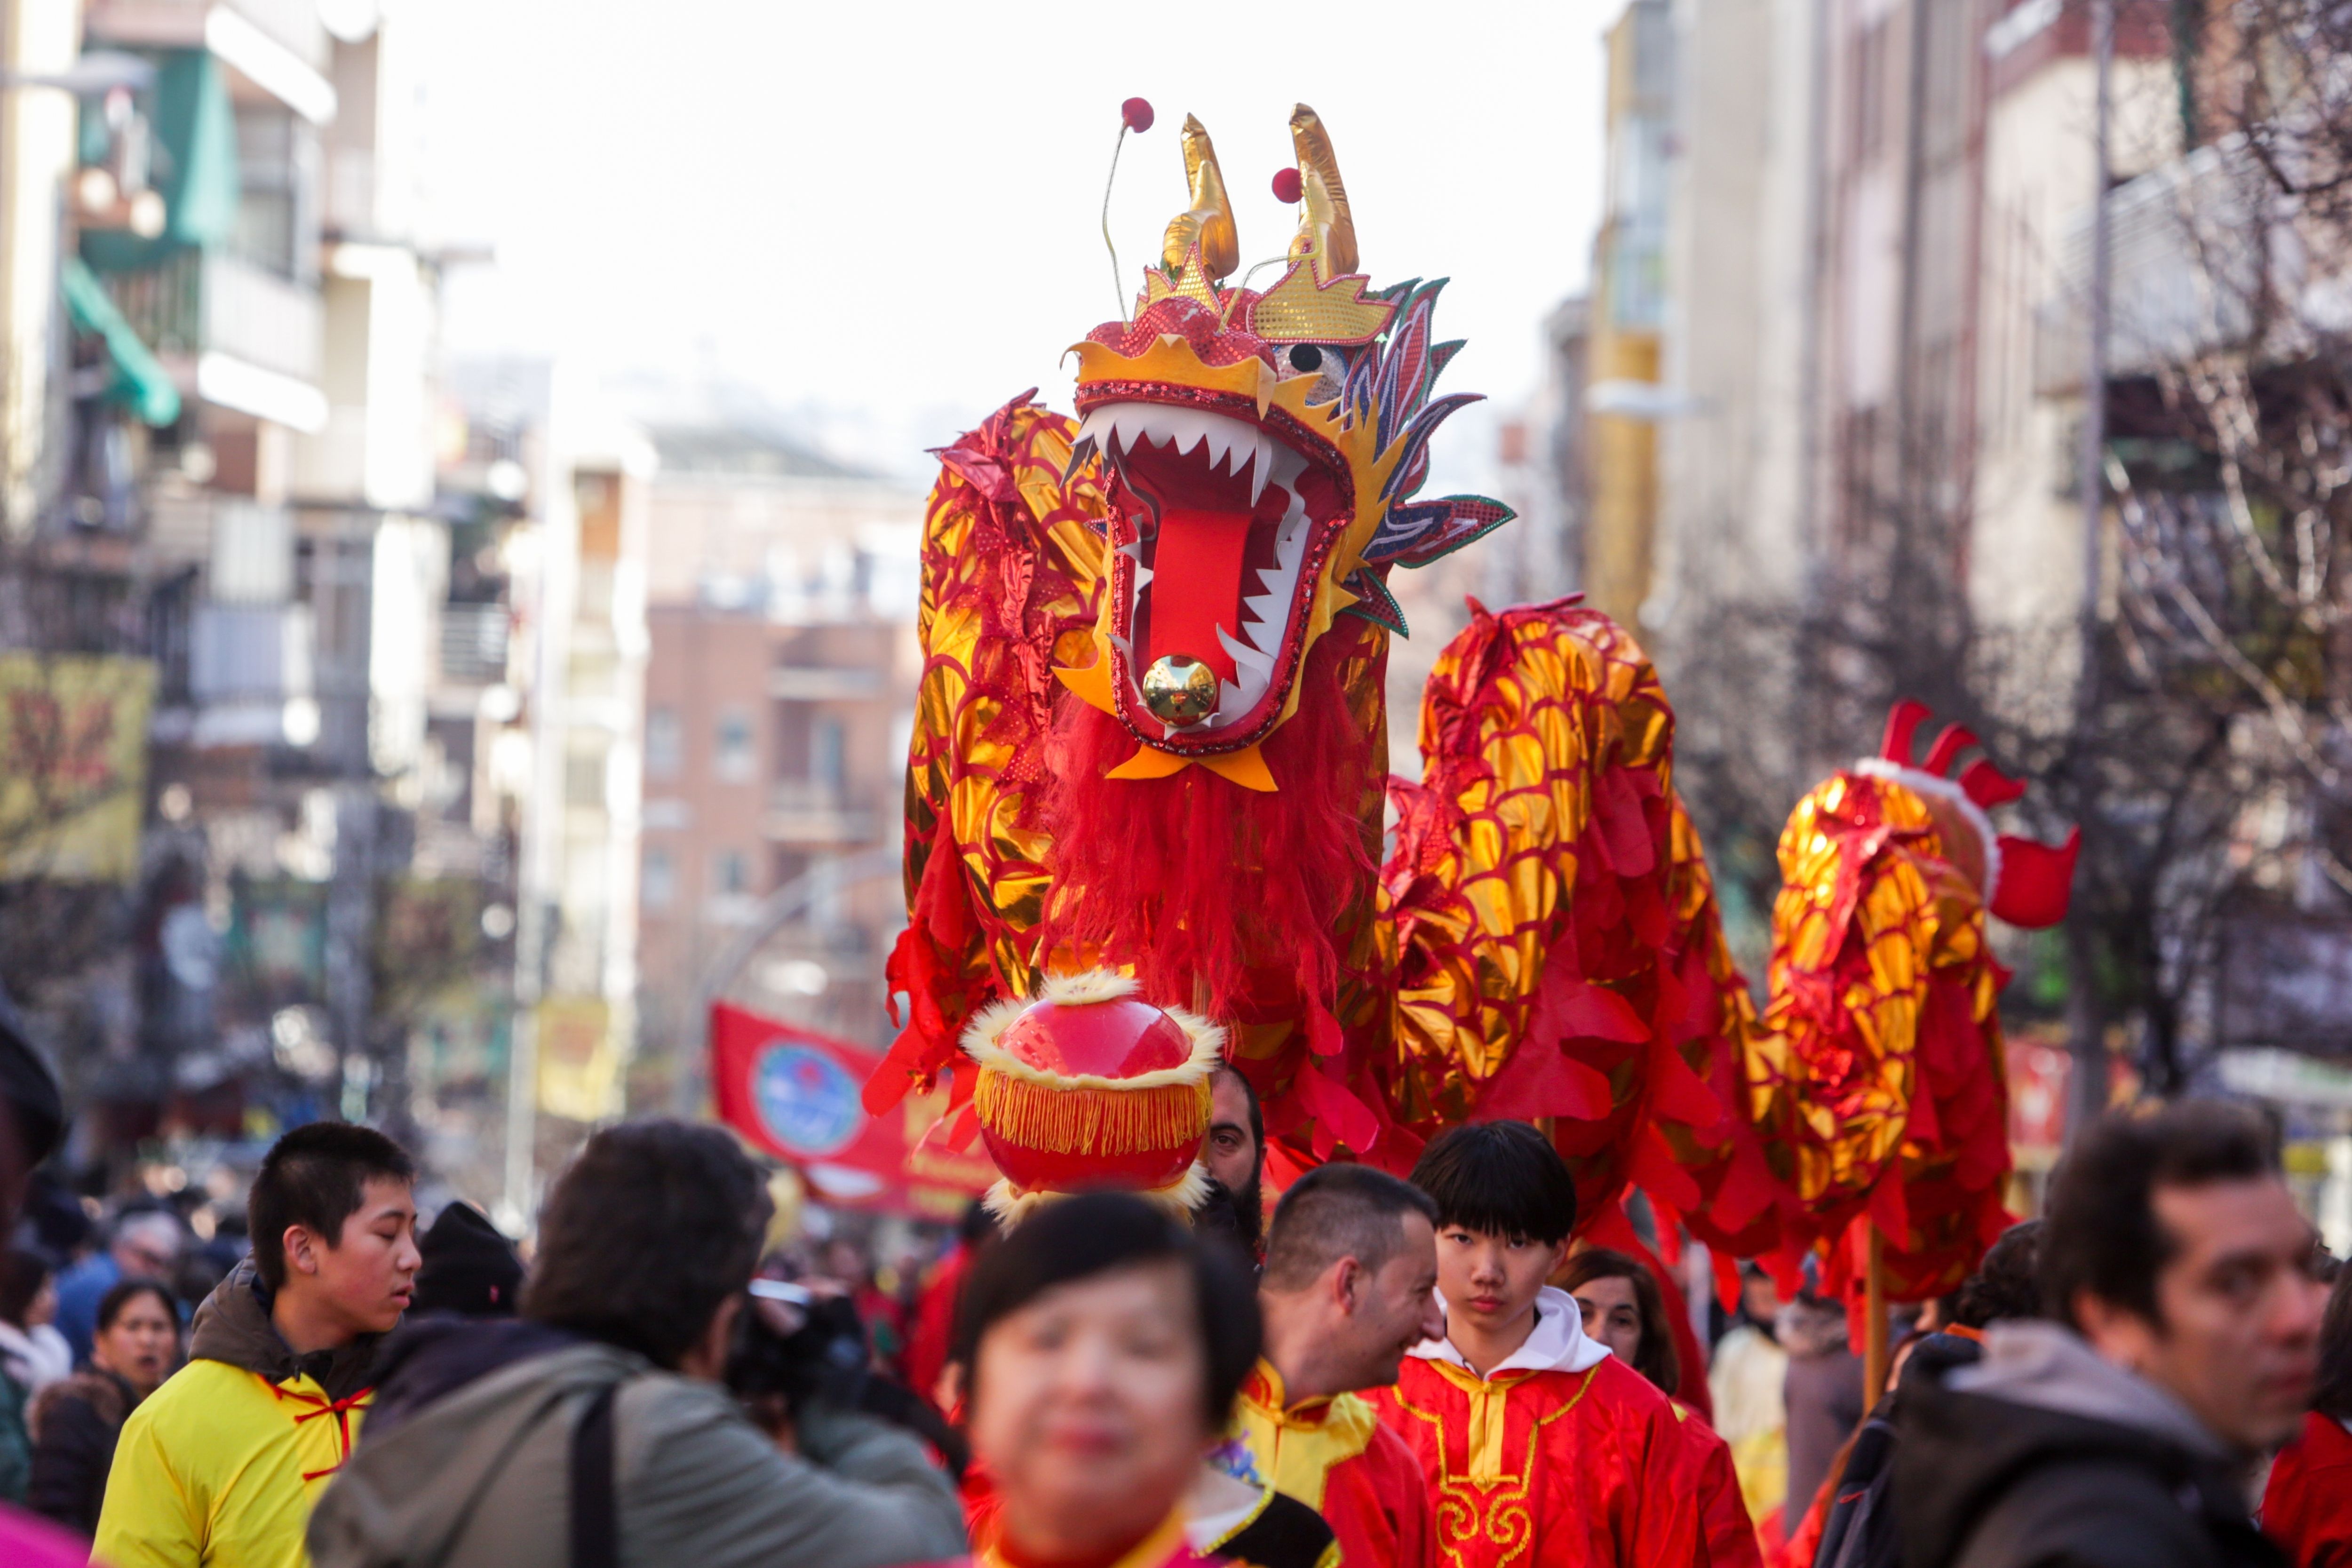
<point>1540,1449</point>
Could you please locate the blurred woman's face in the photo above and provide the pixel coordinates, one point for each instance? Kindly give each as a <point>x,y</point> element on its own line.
<point>138,1347</point>
<point>1085,1408</point>
<point>1612,1315</point>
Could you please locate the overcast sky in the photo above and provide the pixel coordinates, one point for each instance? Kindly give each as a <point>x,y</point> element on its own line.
<point>892,211</point>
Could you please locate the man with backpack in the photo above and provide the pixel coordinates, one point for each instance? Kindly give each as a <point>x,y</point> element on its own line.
<point>593,1432</point>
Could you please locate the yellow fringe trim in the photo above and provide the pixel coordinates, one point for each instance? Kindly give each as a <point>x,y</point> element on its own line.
<point>1092,1120</point>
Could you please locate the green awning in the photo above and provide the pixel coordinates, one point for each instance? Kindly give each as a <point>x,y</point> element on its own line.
<point>139,381</point>
<point>196,170</point>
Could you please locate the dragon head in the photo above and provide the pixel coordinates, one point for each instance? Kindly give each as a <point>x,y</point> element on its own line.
<point>1260,453</point>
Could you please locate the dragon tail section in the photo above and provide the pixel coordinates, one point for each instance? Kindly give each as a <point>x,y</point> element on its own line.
<point>1560,955</point>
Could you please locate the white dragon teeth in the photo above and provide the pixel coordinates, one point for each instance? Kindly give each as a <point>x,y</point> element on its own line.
<point>1246,656</point>
<point>1231,444</point>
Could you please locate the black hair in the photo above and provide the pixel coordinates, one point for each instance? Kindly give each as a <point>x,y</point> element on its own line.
<point>2006,1285</point>
<point>1656,1359</point>
<point>23,1272</point>
<point>2104,1236</point>
<point>1099,1233</point>
<point>1499,1178</point>
<point>977,1226</point>
<point>122,1292</point>
<point>647,1234</point>
<point>2334,1395</point>
<point>314,1177</point>
<point>1339,1211</point>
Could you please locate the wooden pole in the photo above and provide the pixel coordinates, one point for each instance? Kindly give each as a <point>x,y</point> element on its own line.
<point>1876,1354</point>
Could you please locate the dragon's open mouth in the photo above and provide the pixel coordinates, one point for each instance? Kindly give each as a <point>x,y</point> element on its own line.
<point>1218,525</point>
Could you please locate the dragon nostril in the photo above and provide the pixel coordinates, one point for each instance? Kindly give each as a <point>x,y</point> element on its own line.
<point>1305,357</point>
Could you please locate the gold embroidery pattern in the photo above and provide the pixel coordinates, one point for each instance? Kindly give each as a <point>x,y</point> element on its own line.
<point>1493,1510</point>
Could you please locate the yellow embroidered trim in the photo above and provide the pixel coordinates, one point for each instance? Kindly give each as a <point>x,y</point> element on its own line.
<point>1153,1550</point>
<point>1297,1455</point>
<point>1493,1508</point>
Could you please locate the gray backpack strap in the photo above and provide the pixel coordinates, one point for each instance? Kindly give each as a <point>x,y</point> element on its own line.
<point>596,1502</point>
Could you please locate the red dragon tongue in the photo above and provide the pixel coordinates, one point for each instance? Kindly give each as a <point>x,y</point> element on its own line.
<point>1196,585</point>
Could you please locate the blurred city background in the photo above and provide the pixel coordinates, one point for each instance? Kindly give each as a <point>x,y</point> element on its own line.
<point>461,469</point>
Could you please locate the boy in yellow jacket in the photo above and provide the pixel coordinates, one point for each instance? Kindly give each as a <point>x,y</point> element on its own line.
<point>222,1464</point>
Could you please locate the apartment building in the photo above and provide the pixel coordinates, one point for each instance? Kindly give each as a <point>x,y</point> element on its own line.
<point>778,698</point>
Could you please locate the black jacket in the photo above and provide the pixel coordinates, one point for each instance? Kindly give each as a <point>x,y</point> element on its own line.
<point>1859,1530</point>
<point>2046,1456</point>
<point>74,1424</point>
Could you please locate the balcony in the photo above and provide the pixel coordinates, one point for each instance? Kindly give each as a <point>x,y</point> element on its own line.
<point>2186,254</point>
<point>817,683</point>
<point>249,677</point>
<point>242,337</point>
<point>804,815</point>
<point>278,47</point>
<point>473,644</point>
<point>203,302</point>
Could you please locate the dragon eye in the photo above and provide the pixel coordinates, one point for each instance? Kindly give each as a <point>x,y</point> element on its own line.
<point>1305,357</point>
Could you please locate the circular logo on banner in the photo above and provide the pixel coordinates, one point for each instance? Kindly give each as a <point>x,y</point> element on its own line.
<point>807,1102</point>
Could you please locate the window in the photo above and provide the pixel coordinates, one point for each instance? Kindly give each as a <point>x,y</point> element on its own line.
<point>731,874</point>
<point>828,749</point>
<point>664,752</point>
<point>731,759</point>
<point>276,223</point>
<point>583,779</point>
<point>660,884</point>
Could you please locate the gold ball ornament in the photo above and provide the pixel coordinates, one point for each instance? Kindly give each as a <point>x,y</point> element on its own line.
<point>1180,690</point>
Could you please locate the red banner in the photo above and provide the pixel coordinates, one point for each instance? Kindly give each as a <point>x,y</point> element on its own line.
<point>794,1093</point>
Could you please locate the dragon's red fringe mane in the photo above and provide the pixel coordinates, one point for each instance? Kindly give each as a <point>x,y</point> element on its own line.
<point>1225,898</point>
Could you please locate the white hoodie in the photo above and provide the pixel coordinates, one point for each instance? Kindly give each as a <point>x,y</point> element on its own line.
<point>1557,1343</point>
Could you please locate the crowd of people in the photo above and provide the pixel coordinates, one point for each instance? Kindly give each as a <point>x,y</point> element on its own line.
<point>1372,1371</point>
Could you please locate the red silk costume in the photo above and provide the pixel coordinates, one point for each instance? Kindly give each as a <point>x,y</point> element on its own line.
<point>1163,1548</point>
<point>1334,1456</point>
<point>1551,1470</point>
<point>2307,1506</point>
<point>1723,1513</point>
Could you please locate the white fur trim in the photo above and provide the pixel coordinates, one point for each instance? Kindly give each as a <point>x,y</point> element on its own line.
<point>1011,1206</point>
<point>1086,985</point>
<point>1093,985</point>
<point>1920,781</point>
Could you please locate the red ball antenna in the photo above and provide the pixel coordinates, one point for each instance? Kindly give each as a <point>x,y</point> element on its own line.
<point>1134,115</point>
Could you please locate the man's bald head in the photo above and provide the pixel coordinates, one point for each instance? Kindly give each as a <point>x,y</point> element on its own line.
<point>1335,1212</point>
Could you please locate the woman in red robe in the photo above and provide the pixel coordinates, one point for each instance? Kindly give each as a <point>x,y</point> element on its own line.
<point>1621,1305</point>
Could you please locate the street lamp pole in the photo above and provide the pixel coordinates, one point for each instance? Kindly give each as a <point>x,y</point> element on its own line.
<point>2086,1019</point>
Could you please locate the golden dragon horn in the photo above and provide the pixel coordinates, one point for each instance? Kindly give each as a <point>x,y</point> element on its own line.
<point>1209,222</point>
<point>1327,234</point>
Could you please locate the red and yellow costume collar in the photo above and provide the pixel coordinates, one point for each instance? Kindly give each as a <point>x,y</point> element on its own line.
<point>1165,1547</point>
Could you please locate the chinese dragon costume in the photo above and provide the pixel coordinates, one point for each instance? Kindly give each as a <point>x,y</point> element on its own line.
<point>1148,766</point>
